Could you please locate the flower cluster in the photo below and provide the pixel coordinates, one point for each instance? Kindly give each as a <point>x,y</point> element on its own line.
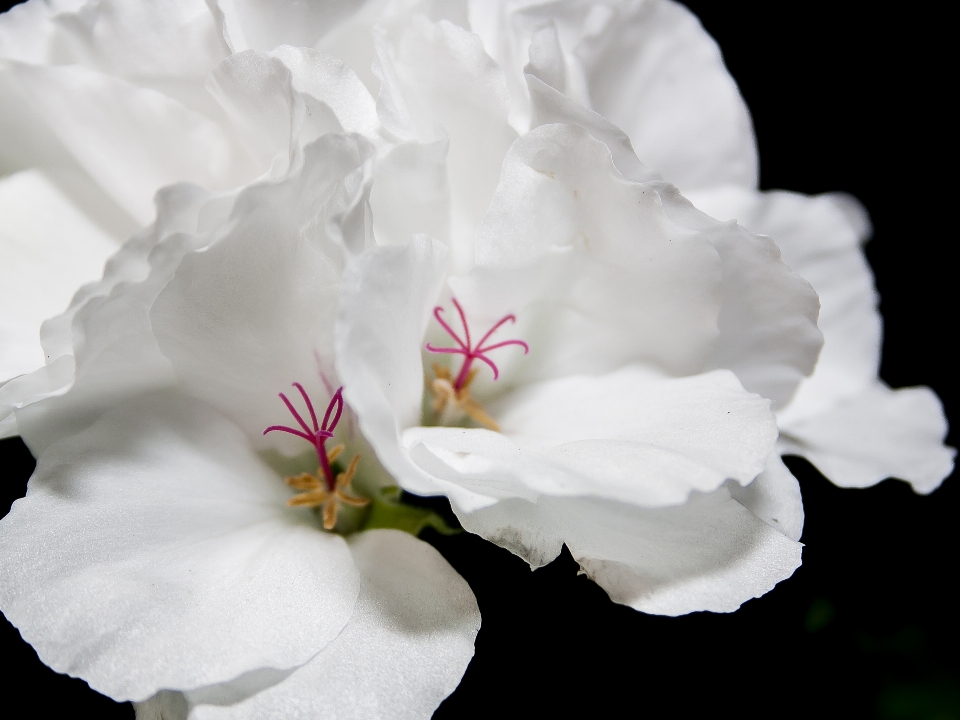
<point>298,193</point>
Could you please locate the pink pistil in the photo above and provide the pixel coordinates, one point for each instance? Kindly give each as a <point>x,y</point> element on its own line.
<point>320,433</point>
<point>468,350</point>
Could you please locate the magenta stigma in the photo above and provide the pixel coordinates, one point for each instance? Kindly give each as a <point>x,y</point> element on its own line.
<point>321,431</point>
<point>470,351</point>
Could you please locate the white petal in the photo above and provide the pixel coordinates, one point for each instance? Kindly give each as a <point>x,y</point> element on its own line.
<point>774,497</point>
<point>768,323</point>
<point>48,248</point>
<point>256,92</point>
<point>386,297</point>
<point>652,70</point>
<point>596,273</point>
<point>877,434</point>
<point>102,348</point>
<point>550,106</point>
<point>546,80</point>
<point>710,553</point>
<point>403,651</point>
<point>820,238</point>
<point>410,193</point>
<point>437,75</point>
<point>330,81</point>
<point>154,550</point>
<point>248,316</point>
<point>141,40</point>
<point>131,140</point>
<point>27,29</point>
<point>631,436</point>
<point>263,25</point>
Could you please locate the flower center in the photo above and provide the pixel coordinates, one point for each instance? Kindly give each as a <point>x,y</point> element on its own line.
<point>324,490</point>
<point>452,396</point>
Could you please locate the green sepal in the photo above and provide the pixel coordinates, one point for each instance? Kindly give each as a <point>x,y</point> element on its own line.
<point>388,511</point>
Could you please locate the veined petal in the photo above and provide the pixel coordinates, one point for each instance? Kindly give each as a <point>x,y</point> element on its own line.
<point>403,651</point>
<point>154,550</point>
<point>877,434</point>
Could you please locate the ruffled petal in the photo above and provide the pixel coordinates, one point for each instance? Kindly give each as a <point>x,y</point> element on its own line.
<point>102,349</point>
<point>131,140</point>
<point>403,651</point>
<point>259,25</point>
<point>596,273</point>
<point>820,238</point>
<point>653,71</point>
<point>48,248</point>
<point>436,79</point>
<point>255,91</point>
<point>774,497</point>
<point>252,313</point>
<point>631,436</point>
<point>648,68</point>
<point>768,323</point>
<point>877,434</point>
<point>710,553</point>
<point>154,550</point>
<point>330,81</point>
<point>27,30</point>
<point>139,40</point>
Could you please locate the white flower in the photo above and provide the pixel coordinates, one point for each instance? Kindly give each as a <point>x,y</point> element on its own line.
<point>504,140</point>
<point>158,553</point>
<point>618,432</point>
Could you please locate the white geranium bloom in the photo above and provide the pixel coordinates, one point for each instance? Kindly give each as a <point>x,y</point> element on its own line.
<point>625,432</point>
<point>470,97</point>
<point>447,113</point>
<point>158,554</point>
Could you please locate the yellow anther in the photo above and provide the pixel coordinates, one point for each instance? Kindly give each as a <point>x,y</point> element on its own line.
<point>451,404</point>
<point>317,494</point>
<point>334,452</point>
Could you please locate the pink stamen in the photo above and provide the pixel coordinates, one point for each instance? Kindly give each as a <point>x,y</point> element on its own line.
<point>469,352</point>
<point>320,433</point>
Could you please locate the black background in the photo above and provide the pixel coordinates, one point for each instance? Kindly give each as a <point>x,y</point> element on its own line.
<point>844,97</point>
